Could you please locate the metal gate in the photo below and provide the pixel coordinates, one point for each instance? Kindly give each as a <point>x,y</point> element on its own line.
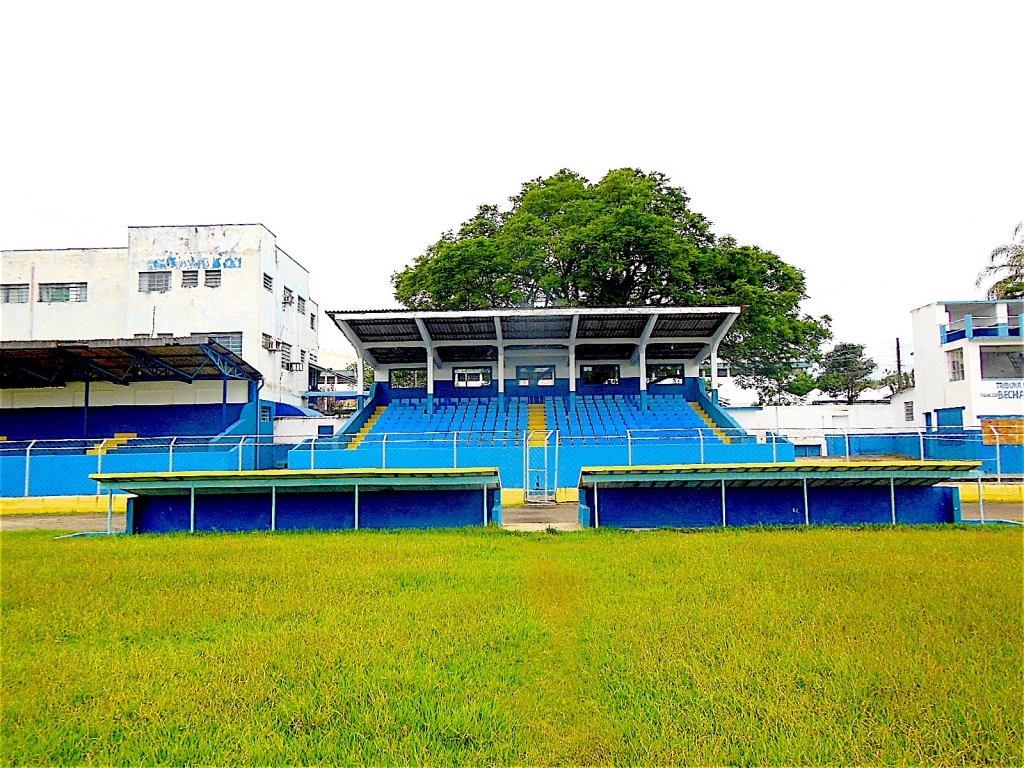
<point>537,477</point>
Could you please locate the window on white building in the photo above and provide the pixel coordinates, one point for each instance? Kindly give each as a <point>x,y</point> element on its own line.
<point>536,375</point>
<point>287,297</point>
<point>154,282</point>
<point>59,293</point>
<point>955,363</point>
<point>232,340</point>
<point>190,278</point>
<point>211,278</point>
<point>268,282</point>
<point>599,374</point>
<point>1002,362</point>
<point>14,293</point>
<point>286,355</point>
<point>908,410</point>
<point>312,321</point>
<point>300,305</point>
<point>407,378</point>
<point>472,377</point>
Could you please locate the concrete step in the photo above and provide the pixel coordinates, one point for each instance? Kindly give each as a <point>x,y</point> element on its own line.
<point>540,517</point>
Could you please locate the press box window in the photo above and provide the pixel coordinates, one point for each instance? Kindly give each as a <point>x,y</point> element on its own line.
<point>154,282</point>
<point>599,374</point>
<point>471,378</point>
<point>190,278</point>
<point>408,378</point>
<point>14,293</point>
<point>535,375</point>
<point>908,410</point>
<point>666,374</point>
<point>59,293</point>
<point>1002,362</point>
<point>211,278</point>
<point>955,363</point>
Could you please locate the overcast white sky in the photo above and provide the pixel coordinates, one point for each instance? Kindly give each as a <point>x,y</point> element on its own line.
<point>875,145</point>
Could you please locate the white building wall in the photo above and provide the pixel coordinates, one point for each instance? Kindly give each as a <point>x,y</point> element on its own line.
<point>116,308</point>
<point>144,393</point>
<point>101,316</point>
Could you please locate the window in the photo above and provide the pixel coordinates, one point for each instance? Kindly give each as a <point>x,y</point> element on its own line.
<point>667,374</point>
<point>536,375</point>
<point>472,377</point>
<point>211,278</point>
<point>14,293</point>
<point>599,374</point>
<point>231,340</point>
<point>955,362</point>
<point>58,293</point>
<point>300,304</point>
<point>190,278</point>
<point>302,356</point>
<point>312,322</point>
<point>154,282</point>
<point>268,282</point>
<point>908,410</point>
<point>265,413</point>
<point>1002,362</point>
<point>286,355</point>
<point>287,297</point>
<point>408,378</point>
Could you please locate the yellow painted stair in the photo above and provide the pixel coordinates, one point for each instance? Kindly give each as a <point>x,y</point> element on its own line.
<point>537,422</point>
<point>719,432</point>
<point>111,443</point>
<point>362,433</point>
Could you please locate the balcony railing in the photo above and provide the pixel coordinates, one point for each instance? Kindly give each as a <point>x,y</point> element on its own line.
<point>981,326</point>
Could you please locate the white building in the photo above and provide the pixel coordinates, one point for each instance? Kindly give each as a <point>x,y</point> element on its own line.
<point>968,362</point>
<point>231,282</point>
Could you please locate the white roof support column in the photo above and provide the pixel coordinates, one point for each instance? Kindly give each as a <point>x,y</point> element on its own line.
<point>501,355</point>
<point>713,343</point>
<point>572,353</point>
<point>433,359</point>
<point>641,349</point>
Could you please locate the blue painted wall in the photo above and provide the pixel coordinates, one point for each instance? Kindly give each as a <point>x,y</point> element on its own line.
<point>948,444</point>
<point>648,507</point>
<point>105,421</point>
<point>441,508</point>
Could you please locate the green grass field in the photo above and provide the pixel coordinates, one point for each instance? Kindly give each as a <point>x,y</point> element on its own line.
<point>485,647</point>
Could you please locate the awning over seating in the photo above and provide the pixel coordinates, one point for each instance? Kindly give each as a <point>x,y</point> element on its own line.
<point>32,364</point>
<point>636,334</point>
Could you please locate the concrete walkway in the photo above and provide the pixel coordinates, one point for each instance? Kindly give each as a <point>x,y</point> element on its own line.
<point>540,517</point>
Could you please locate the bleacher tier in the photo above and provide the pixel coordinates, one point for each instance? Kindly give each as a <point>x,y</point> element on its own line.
<point>595,420</point>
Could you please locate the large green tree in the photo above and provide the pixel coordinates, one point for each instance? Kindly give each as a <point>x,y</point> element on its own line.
<point>846,371</point>
<point>630,239</point>
<point>1006,268</point>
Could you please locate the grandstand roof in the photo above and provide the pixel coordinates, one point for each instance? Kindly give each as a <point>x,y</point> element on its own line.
<point>392,337</point>
<point>33,364</point>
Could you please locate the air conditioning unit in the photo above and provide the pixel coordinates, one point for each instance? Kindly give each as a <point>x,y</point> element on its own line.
<point>294,366</point>
<point>272,345</point>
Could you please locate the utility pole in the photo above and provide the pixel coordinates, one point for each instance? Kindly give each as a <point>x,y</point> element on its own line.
<point>899,367</point>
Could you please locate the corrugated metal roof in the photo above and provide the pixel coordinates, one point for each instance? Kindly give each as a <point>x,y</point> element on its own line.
<point>31,364</point>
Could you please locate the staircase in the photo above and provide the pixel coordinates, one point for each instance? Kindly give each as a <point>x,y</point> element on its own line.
<point>362,433</point>
<point>719,432</point>
<point>537,422</point>
<point>111,443</point>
